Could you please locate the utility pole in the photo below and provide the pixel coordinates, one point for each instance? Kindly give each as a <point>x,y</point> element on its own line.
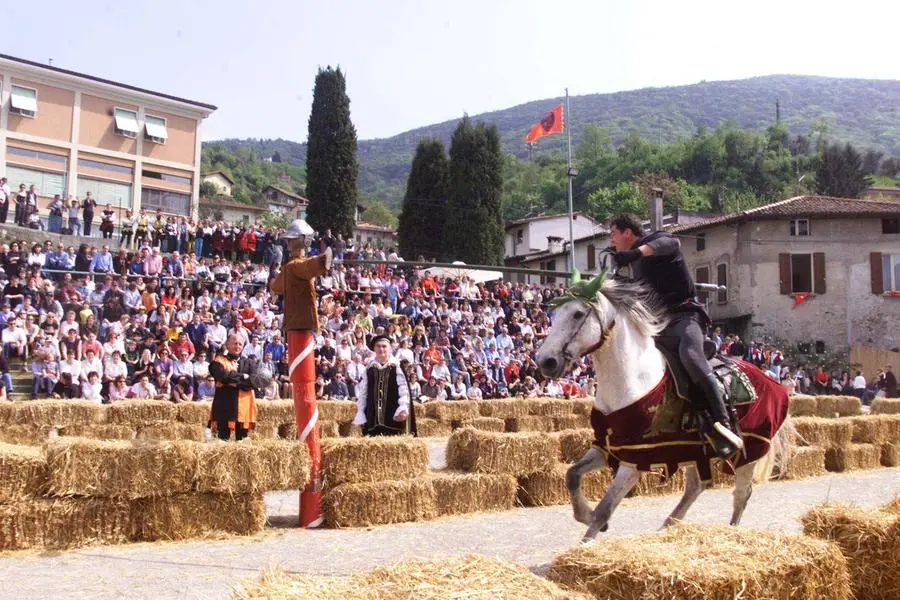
<point>572,172</point>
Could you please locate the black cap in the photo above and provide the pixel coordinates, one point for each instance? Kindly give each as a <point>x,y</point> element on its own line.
<point>378,338</point>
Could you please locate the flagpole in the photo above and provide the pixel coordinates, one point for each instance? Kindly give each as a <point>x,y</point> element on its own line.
<point>570,173</point>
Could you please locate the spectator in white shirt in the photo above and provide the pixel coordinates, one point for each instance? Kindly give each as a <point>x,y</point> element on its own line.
<point>90,389</point>
<point>143,389</point>
<point>14,341</point>
<point>90,364</point>
<point>69,383</point>
<point>474,392</point>
<point>114,367</point>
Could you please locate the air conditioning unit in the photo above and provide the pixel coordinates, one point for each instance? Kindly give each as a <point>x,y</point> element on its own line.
<point>128,134</point>
<point>156,140</point>
<point>22,111</point>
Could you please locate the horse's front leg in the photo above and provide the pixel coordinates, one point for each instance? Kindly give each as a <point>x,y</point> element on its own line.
<point>592,460</point>
<point>626,478</point>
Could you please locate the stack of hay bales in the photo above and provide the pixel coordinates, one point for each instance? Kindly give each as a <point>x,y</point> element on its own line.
<point>79,491</point>
<point>870,541</point>
<point>886,406</point>
<point>473,576</point>
<point>802,406</point>
<point>835,436</point>
<point>881,431</point>
<point>706,562</point>
<point>31,423</point>
<point>838,406</point>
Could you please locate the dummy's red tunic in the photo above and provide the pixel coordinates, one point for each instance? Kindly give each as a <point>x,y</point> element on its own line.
<point>624,434</point>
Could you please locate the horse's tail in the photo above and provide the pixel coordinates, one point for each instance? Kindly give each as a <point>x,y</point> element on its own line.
<point>776,460</point>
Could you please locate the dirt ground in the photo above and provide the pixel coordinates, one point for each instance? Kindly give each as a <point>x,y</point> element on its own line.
<point>531,536</point>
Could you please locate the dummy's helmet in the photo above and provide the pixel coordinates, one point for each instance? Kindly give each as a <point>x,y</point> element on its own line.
<point>298,228</point>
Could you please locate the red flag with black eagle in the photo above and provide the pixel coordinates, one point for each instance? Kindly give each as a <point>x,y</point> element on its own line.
<point>550,124</point>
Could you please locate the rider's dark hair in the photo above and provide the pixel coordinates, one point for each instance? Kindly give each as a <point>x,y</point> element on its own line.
<point>628,221</point>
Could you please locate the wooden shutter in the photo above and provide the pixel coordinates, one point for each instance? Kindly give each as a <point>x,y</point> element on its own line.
<point>877,273</point>
<point>591,257</point>
<point>784,272</point>
<point>819,272</point>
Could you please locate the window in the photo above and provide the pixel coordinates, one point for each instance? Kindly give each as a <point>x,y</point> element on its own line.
<point>166,177</point>
<point>126,122</point>
<point>701,242</point>
<point>170,202</point>
<point>520,235</point>
<point>802,273</point>
<point>23,101</point>
<point>701,275</point>
<point>549,265</point>
<point>890,226</point>
<point>890,272</point>
<point>799,227</point>
<point>155,128</point>
<point>117,194</point>
<point>722,280</point>
<point>94,164</point>
<point>63,160</point>
<point>591,257</point>
<point>48,184</point>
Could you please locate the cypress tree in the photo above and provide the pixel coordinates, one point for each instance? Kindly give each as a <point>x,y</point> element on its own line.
<point>332,164</point>
<point>840,172</point>
<point>424,206</point>
<point>473,230</point>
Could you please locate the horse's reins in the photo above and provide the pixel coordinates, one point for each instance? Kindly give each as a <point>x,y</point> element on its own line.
<point>603,336</point>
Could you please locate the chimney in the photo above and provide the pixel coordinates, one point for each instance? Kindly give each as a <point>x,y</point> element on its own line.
<point>656,210</point>
<point>554,244</point>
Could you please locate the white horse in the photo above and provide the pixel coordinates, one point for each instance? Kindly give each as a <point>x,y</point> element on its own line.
<point>610,321</point>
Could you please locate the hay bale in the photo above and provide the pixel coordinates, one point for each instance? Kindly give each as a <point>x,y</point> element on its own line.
<point>890,455</point>
<point>552,407</point>
<point>487,452</point>
<point>186,516</point>
<point>118,469</point>
<point>692,562</point>
<point>886,406</point>
<point>264,431</point>
<point>193,412</point>
<point>504,409</point>
<point>582,406</point>
<point>459,493</point>
<point>99,432</point>
<point>23,472</point>
<point>252,467</point>
<point>341,411</point>
<point>573,444</point>
<point>485,424</point>
<point>287,431</point>
<point>853,457</point>
<point>892,507</point>
<point>327,429</point>
<point>530,423</point>
<point>365,504</point>
<point>419,409</point>
<point>58,413</point>
<point>870,541</point>
<point>802,406</point>
<point>173,431</point>
<point>875,429</point>
<point>349,430</point>
<point>137,413</point>
<point>25,435</point>
<point>432,428</point>
<point>805,461</point>
<point>825,433</point>
<point>472,577</point>
<point>275,412</point>
<point>838,406</point>
<point>571,422</point>
<point>447,411</point>
<point>59,524</point>
<point>7,413</point>
<point>654,484</point>
<point>371,459</point>
<point>549,487</point>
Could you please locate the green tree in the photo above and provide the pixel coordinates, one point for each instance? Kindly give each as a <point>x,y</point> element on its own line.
<point>209,190</point>
<point>274,219</point>
<point>840,173</point>
<point>605,203</point>
<point>421,224</point>
<point>473,230</point>
<point>332,165</point>
<point>378,213</point>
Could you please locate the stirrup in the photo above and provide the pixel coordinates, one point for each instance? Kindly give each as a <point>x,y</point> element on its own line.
<point>733,439</point>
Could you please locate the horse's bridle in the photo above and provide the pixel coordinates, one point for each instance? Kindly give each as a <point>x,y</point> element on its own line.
<point>603,336</point>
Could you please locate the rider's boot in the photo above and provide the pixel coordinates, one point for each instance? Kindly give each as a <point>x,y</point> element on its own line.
<point>724,441</point>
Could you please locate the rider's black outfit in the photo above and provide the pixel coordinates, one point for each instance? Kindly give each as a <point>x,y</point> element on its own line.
<point>666,272</point>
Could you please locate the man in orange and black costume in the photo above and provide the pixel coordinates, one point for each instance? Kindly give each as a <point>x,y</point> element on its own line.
<point>234,403</point>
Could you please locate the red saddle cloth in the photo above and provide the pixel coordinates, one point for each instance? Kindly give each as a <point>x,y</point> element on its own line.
<point>626,436</point>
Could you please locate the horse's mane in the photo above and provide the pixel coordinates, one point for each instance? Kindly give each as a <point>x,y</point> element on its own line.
<point>638,303</point>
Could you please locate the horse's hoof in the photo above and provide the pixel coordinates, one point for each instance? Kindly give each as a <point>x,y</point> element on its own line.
<point>604,528</point>
<point>583,516</point>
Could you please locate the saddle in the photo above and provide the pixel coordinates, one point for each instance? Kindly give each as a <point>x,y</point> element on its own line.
<point>683,400</point>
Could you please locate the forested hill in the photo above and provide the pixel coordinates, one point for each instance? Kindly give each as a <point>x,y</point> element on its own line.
<point>863,112</point>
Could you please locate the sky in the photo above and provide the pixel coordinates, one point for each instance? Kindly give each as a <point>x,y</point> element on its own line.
<point>413,63</point>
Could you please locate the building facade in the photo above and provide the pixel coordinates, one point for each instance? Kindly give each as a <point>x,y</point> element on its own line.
<point>376,235</point>
<point>69,133</point>
<point>819,273</point>
<point>237,213</point>
<point>220,180</point>
<point>285,202</point>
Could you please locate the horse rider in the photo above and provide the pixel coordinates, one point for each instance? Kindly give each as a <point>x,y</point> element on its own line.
<point>657,261</point>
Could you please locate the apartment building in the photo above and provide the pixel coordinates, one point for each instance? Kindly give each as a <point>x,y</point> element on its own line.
<point>69,133</point>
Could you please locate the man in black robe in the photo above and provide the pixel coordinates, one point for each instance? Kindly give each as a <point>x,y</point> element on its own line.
<point>383,405</point>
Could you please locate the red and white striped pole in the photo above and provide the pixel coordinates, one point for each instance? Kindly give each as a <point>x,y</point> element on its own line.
<point>302,372</point>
